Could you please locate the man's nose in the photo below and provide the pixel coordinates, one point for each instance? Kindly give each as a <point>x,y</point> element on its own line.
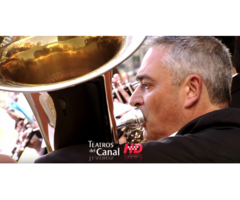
<point>136,98</point>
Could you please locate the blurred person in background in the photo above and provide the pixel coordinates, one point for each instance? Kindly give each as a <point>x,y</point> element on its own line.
<point>25,124</point>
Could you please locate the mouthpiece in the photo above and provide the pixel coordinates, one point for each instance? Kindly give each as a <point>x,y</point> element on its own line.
<point>132,119</point>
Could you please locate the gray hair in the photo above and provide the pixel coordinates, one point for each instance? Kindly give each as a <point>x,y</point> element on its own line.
<point>205,56</point>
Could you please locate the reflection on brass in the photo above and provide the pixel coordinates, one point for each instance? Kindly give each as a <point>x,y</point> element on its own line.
<point>130,124</point>
<point>133,135</point>
<point>34,63</point>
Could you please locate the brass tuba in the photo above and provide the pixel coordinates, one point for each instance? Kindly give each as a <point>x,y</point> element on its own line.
<point>67,82</point>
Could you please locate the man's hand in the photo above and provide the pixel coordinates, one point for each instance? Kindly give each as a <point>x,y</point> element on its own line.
<point>34,143</point>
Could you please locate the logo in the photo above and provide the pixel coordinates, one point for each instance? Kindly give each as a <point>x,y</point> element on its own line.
<point>132,152</point>
<point>133,148</point>
<point>102,151</point>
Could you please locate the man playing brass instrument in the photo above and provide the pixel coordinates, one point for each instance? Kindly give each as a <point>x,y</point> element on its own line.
<point>185,85</point>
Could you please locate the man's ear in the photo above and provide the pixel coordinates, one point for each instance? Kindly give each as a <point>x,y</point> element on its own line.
<point>193,85</point>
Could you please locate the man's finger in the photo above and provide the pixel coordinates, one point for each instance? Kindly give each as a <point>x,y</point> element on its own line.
<point>114,81</point>
<point>117,79</point>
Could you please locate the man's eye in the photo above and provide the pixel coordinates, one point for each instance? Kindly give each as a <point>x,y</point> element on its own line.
<point>146,86</point>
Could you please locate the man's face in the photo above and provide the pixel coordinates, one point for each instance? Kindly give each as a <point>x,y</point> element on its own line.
<point>157,98</point>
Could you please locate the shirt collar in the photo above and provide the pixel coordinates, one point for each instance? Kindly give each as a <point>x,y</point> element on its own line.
<point>173,134</point>
<point>234,75</point>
